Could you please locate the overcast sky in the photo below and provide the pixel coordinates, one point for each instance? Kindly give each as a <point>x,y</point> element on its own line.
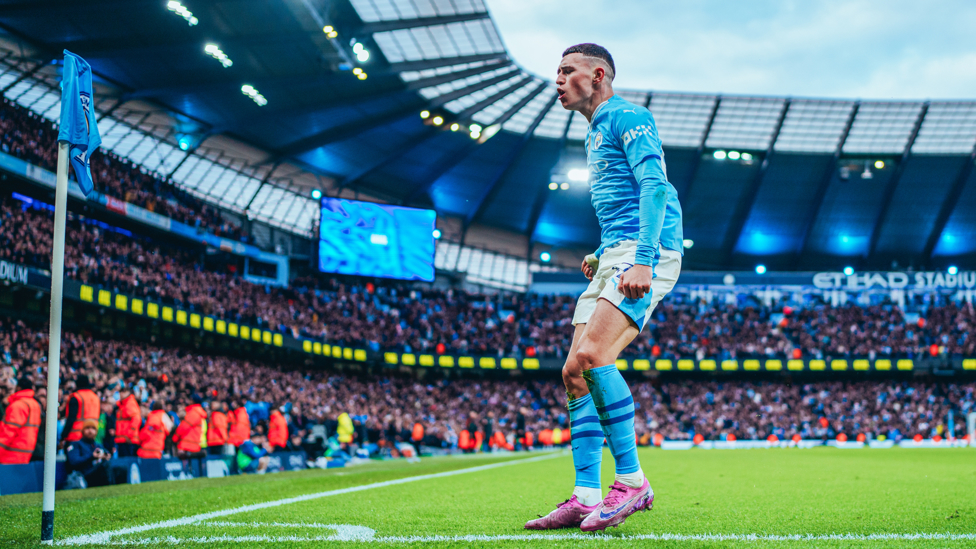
<point>879,49</point>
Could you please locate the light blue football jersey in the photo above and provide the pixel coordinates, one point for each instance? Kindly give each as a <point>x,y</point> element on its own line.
<point>629,185</point>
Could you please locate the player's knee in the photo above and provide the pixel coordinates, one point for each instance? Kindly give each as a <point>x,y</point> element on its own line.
<point>587,357</point>
<point>571,373</point>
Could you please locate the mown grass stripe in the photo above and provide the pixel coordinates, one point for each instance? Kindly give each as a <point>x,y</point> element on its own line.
<point>104,538</point>
<point>551,537</point>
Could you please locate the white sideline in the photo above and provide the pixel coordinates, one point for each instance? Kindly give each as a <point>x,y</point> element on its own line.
<point>550,537</point>
<point>104,538</point>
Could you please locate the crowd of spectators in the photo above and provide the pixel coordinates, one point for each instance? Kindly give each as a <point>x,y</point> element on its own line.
<point>424,319</point>
<point>32,138</point>
<point>386,409</point>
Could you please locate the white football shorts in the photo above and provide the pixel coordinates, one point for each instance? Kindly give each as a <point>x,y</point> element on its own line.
<point>613,263</point>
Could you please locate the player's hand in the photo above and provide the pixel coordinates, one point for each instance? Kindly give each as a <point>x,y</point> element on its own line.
<point>589,266</point>
<point>635,283</point>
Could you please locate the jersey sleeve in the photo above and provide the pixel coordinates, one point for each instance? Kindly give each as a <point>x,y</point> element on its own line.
<point>638,138</point>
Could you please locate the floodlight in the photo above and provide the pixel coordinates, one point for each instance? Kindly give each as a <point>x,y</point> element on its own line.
<point>848,271</point>
<point>437,234</point>
<point>425,114</point>
<point>578,174</point>
<point>475,128</point>
<point>564,186</point>
<point>327,29</point>
<point>553,185</point>
<point>357,71</point>
<point>362,76</point>
<point>316,194</point>
<point>358,47</point>
<point>437,120</point>
<point>475,135</point>
<point>734,155</point>
<point>363,56</point>
<point>455,126</point>
<point>879,164</point>
<point>953,270</point>
<point>760,269</point>
<point>719,155</point>
<point>688,243</point>
<point>545,257</point>
<point>254,94</point>
<point>747,157</point>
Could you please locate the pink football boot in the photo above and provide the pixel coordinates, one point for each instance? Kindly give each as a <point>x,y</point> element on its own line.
<point>568,514</point>
<point>620,503</point>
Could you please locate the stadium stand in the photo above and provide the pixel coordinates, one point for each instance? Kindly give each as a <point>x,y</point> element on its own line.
<point>30,137</point>
<point>385,408</point>
<point>761,144</point>
<point>392,317</point>
<point>434,320</point>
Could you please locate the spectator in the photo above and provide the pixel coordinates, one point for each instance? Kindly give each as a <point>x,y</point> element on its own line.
<point>21,422</point>
<point>89,458</point>
<point>190,437</point>
<point>217,434</point>
<point>83,405</point>
<point>128,420</point>
<point>277,430</point>
<point>252,456</point>
<point>152,437</point>
<point>240,425</point>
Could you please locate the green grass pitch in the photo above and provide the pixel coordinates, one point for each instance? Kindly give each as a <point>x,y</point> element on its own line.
<point>717,498</point>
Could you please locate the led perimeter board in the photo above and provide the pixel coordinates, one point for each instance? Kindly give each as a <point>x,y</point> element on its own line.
<point>367,239</point>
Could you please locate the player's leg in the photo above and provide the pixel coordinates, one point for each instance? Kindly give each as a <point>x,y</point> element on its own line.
<point>587,444</point>
<point>607,333</point>
<point>612,327</point>
<point>587,437</point>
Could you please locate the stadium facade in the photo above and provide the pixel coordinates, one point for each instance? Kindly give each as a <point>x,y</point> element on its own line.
<point>793,183</point>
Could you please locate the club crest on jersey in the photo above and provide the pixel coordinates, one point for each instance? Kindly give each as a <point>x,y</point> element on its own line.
<point>597,141</point>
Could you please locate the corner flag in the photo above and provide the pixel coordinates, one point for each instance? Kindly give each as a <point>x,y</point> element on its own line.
<point>78,126</point>
<point>77,140</point>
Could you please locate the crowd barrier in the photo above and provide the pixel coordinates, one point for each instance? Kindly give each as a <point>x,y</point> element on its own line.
<point>813,443</point>
<point>29,477</point>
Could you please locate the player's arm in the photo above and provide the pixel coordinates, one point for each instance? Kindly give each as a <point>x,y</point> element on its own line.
<point>638,137</point>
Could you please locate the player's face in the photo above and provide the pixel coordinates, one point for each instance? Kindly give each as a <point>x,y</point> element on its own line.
<point>574,81</point>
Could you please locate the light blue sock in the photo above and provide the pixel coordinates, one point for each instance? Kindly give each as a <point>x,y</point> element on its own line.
<point>587,441</point>
<point>615,407</point>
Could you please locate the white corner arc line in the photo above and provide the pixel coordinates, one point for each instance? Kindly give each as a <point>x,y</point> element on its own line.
<point>102,538</point>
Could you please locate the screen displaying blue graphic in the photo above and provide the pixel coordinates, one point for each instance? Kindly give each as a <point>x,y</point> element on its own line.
<point>362,238</point>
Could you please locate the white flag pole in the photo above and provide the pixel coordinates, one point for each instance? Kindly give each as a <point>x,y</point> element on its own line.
<point>54,346</point>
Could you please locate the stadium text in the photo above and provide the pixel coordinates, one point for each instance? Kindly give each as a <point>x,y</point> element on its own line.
<point>894,280</point>
<point>13,273</point>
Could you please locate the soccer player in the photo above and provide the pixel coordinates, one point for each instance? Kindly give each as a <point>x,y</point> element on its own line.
<point>636,265</point>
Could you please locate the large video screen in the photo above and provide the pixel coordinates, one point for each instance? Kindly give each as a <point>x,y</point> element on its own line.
<point>362,238</point>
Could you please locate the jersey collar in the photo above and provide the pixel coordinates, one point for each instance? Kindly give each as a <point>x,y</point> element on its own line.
<point>600,106</point>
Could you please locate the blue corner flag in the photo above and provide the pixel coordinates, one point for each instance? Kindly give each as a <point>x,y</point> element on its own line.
<point>78,126</point>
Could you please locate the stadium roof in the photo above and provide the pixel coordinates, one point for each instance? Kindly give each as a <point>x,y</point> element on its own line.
<point>800,190</point>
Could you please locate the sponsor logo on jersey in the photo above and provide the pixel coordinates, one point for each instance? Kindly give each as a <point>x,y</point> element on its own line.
<point>636,132</point>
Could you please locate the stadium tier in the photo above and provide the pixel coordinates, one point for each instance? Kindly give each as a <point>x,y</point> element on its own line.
<point>385,409</point>
<point>385,318</point>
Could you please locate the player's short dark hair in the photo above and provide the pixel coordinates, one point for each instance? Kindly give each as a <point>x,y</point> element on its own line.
<point>593,50</point>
